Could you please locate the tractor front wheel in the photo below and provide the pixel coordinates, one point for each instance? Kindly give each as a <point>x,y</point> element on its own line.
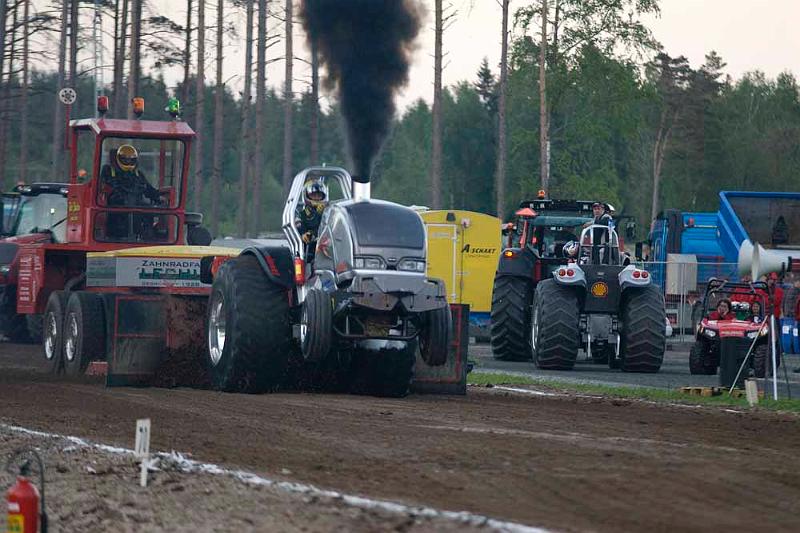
<point>248,329</point>
<point>316,326</point>
<point>434,339</point>
<point>555,327</point>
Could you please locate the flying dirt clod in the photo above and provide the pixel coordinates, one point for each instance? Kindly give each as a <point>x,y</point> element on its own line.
<point>366,48</point>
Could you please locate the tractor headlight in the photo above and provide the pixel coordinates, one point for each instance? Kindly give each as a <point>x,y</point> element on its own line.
<point>369,263</point>
<point>709,333</point>
<point>753,334</point>
<point>412,265</point>
<point>5,269</point>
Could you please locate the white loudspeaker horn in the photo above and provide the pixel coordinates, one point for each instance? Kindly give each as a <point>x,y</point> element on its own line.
<point>759,261</point>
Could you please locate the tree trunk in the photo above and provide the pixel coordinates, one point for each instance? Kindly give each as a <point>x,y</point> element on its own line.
<point>500,173</point>
<point>57,154</point>
<point>23,104</point>
<point>136,45</point>
<point>187,53</point>
<point>216,178</point>
<point>120,91</point>
<point>314,127</point>
<point>4,103</point>
<point>73,43</point>
<point>5,126</point>
<point>244,146</point>
<point>199,112</point>
<point>261,95</point>
<point>436,163</point>
<point>544,126</point>
<point>659,152</point>
<point>288,102</point>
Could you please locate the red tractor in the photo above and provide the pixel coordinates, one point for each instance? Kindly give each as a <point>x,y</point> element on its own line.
<point>32,214</point>
<point>743,321</point>
<point>109,207</point>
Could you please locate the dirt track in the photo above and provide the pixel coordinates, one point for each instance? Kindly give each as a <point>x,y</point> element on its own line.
<point>566,463</point>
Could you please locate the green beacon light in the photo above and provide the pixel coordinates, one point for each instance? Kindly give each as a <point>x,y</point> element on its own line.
<point>173,107</point>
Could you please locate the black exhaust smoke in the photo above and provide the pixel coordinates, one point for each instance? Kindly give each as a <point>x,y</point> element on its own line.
<point>366,47</point>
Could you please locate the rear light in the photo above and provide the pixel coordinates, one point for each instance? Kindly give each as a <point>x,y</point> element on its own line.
<point>562,272</point>
<point>508,253</point>
<point>299,271</point>
<point>645,274</point>
<point>637,274</point>
<point>570,272</point>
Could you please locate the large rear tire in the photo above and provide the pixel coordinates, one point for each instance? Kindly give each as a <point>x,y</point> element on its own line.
<point>644,338</point>
<point>53,336</point>
<point>84,332</point>
<point>248,329</point>
<point>434,339</point>
<point>316,326</point>
<point>510,318</point>
<point>555,328</point>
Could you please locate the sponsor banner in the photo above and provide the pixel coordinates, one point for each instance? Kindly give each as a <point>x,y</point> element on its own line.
<point>143,272</point>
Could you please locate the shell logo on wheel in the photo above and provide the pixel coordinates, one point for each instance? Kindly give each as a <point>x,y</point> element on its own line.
<point>600,290</point>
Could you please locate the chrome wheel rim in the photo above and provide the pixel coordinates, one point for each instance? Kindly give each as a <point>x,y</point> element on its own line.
<point>71,338</point>
<point>216,328</point>
<point>51,330</point>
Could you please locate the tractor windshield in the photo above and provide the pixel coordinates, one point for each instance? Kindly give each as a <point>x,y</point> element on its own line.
<point>383,225</point>
<point>41,213</point>
<point>141,173</point>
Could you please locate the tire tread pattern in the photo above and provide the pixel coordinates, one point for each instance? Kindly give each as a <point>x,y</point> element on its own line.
<point>511,318</point>
<point>644,336</point>
<point>559,326</point>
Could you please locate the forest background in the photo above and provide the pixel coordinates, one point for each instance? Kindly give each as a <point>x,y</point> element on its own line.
<point>625,121</point>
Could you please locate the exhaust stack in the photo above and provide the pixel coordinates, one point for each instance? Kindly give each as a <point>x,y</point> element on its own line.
<point>361,188</point>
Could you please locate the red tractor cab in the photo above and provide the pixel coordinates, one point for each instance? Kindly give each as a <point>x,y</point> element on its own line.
<point>744,321</point>
<point>32,214</point>
<point>113,202</point>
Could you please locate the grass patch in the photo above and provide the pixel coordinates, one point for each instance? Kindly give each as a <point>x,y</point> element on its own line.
<point>628,392</point>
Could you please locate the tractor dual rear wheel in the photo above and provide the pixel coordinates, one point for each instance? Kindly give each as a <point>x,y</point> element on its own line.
<point>555,326</point>
<point>644,338</point>
<point>52,337</point>
<point>84,332</point>
<point>248,329</point>
<point>510,318</point>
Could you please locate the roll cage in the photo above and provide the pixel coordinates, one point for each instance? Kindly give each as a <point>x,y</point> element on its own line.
<point>295,199</point>
<point>730,288</point>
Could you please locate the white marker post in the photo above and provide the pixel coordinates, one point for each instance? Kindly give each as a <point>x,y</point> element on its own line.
<point>142,447</point>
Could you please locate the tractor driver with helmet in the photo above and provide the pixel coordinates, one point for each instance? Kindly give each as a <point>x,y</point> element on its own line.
<point>129,187</point>
<point>309,214</point>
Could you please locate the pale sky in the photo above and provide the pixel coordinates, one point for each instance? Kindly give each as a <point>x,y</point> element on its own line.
<point>748,34</point>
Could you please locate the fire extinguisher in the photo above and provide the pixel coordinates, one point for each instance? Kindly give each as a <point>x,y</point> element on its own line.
<point>25,514</point>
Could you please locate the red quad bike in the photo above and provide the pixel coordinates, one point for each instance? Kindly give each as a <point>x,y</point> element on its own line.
<point>704,356</point>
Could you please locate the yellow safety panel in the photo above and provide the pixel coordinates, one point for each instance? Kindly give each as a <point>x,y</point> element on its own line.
<point>463,250</point>
<point>169,251</point>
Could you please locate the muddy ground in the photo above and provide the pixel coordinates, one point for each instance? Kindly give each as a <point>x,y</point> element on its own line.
<point>561,462</point>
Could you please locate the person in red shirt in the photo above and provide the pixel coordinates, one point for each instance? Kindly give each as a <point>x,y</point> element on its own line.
<point>723,311</point>
<point>775,295</point>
